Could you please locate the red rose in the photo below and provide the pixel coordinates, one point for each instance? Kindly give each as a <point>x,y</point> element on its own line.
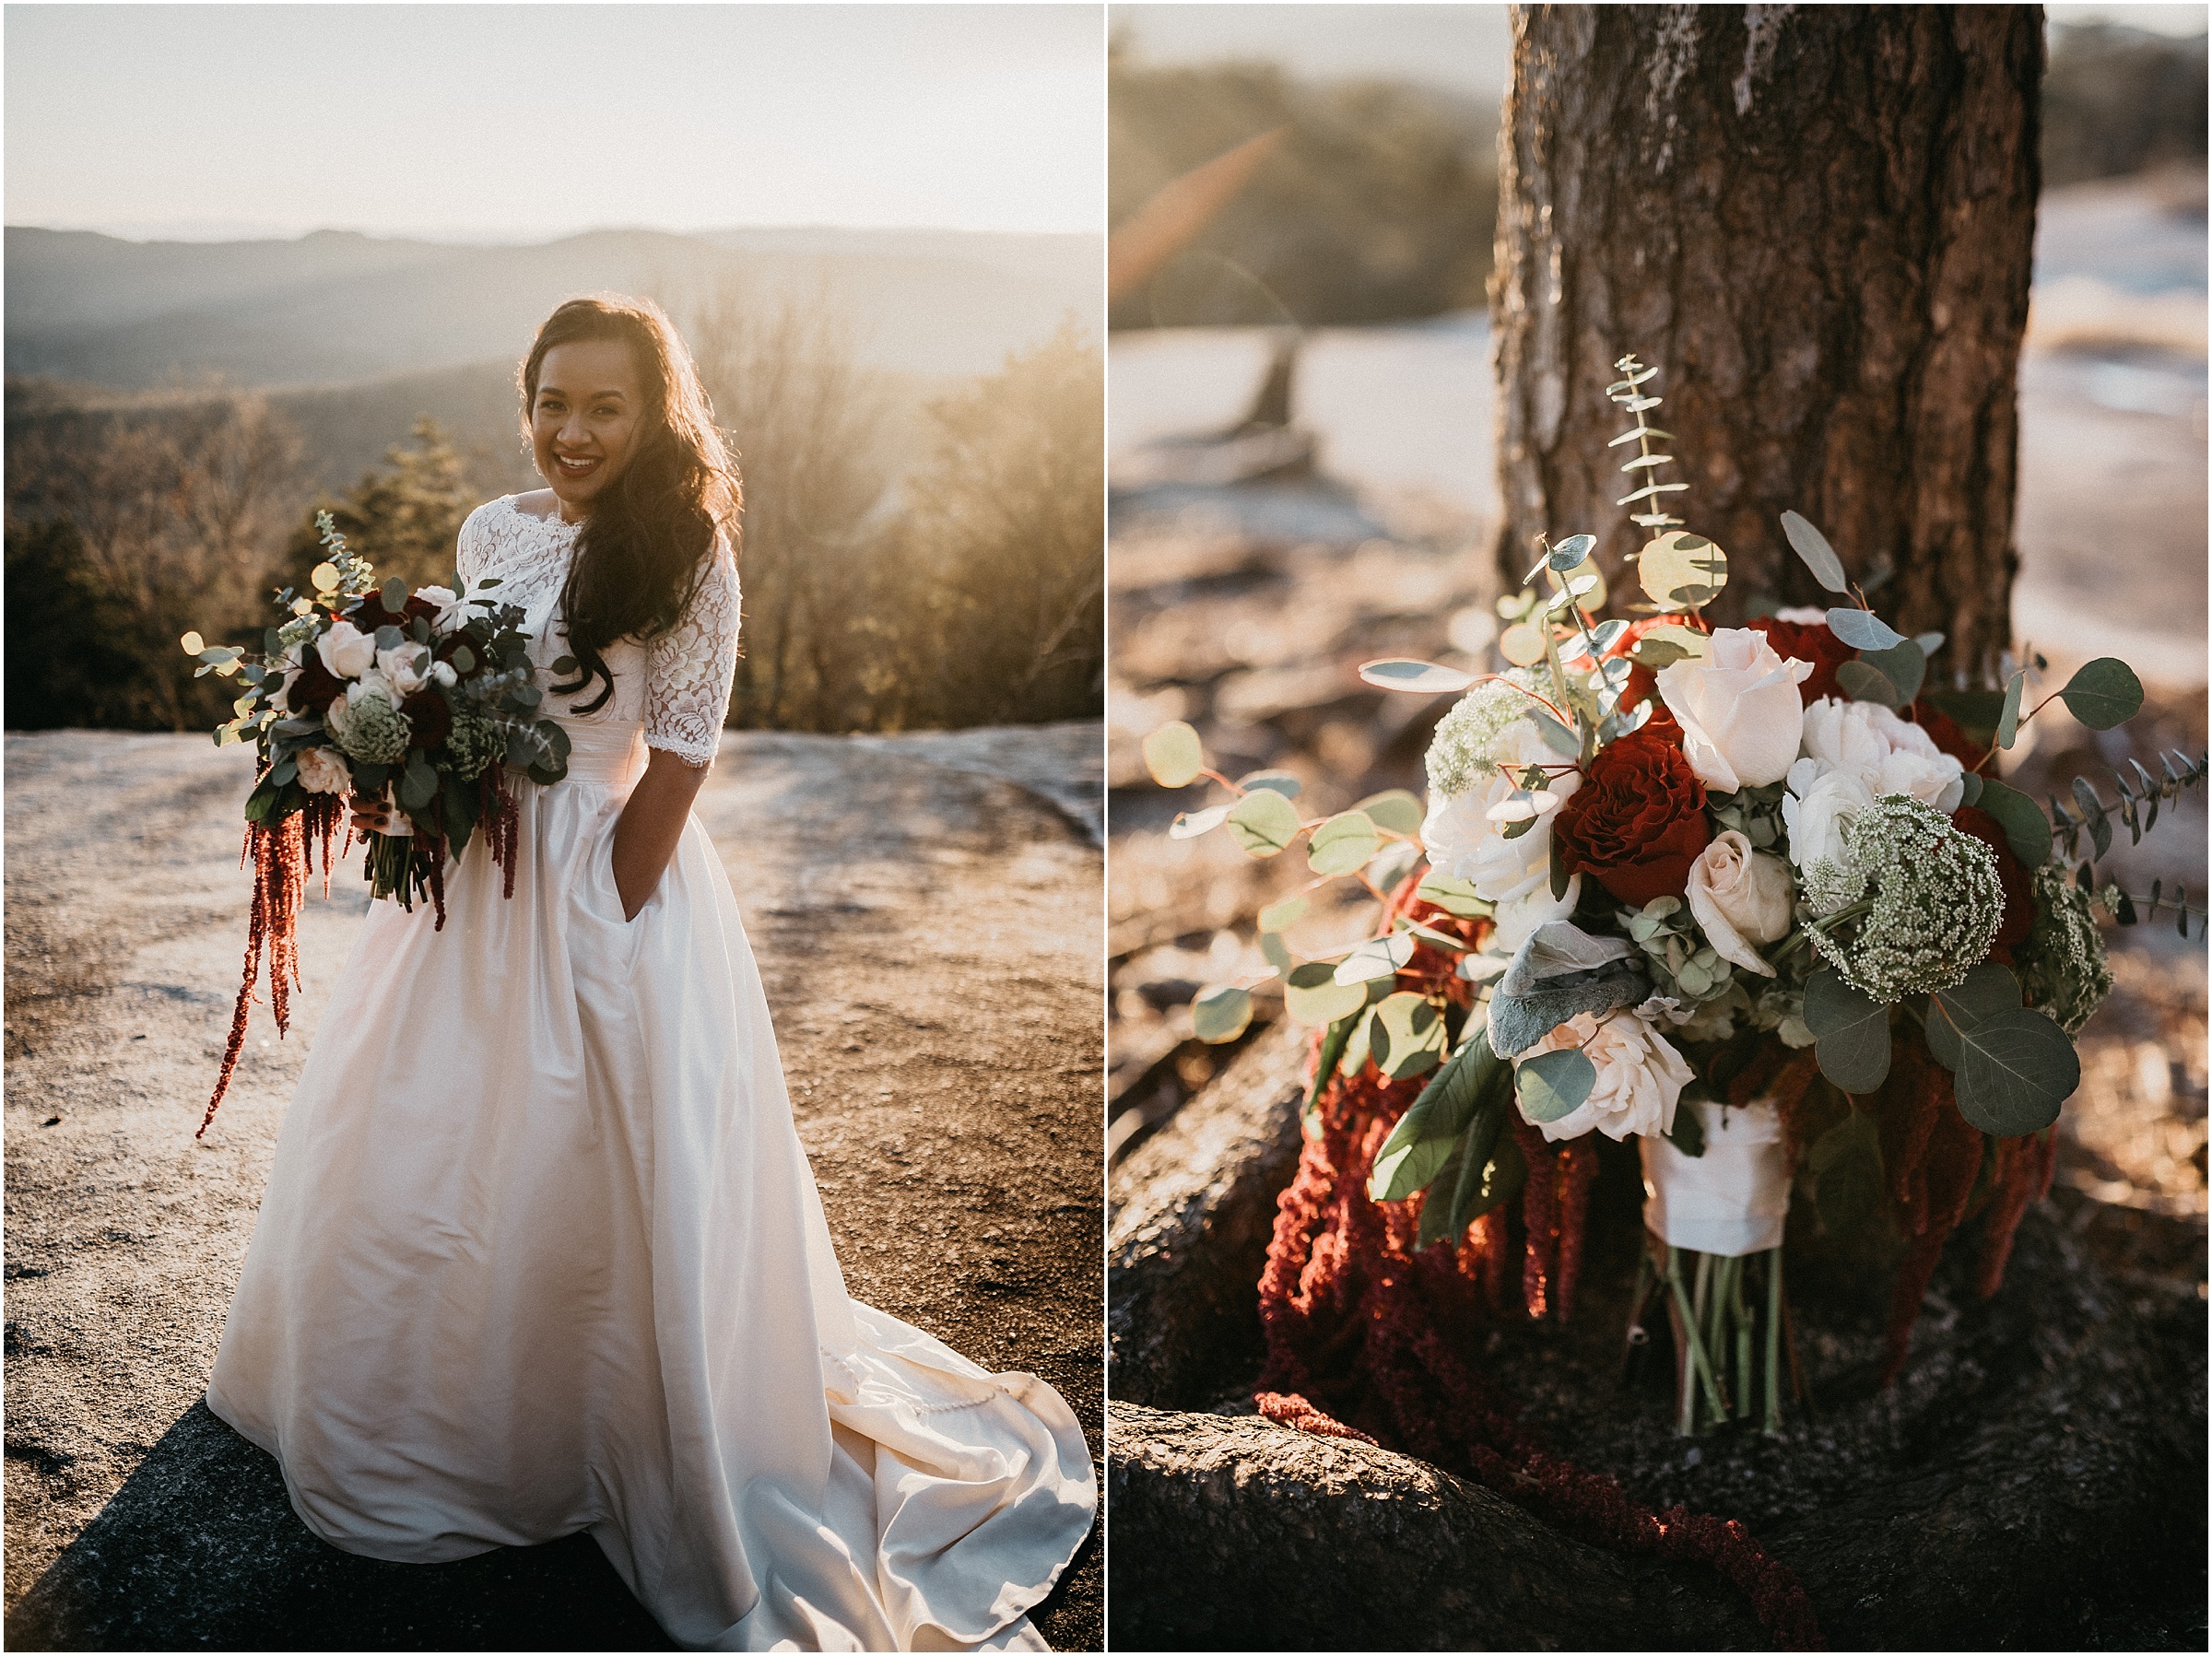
<point>1807,641</point>
<point>1638,821</point>
<point>430,721</point>
<point>316,688</point>
<point>2012,873</point>
<point>1943,730</point>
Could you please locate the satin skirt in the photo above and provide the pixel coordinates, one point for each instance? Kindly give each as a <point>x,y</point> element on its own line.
<point>540,1253</point>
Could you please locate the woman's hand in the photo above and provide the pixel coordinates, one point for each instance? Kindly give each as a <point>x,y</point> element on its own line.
<point>652,822</point>
<point>377,817</point>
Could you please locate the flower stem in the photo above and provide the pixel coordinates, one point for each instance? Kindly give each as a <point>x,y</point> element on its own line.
<point>1690,1316</point>
<point>1774,1420</point>
<point>1742,1313</point>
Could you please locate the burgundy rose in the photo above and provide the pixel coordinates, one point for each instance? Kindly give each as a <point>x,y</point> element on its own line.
<point>2012,875</point>
<point>1807,641</point>
<point>316,688</point>
<point>430,721</point>
<point>1638,821</point>
<point>371,614</point>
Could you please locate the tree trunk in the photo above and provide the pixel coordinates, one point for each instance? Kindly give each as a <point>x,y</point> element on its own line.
<point>1817,222</point>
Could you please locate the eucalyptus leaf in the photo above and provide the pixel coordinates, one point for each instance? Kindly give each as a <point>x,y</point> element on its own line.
<point>1864,683</point>
<point>1189,825</point>
<point>2008,716</point>
<point>1221,1013</point>
<point>1453,894</point>
<point>1342,844</point>
<point>1846,1163</point>
<point>2027,830</point>
<point>2017,1068</point>
<point>1394,809</point>
<point>1277,782</point>
<point>1175,756</point>
<point>1818,556</point>
<point>1554,1085</point>
<point>1905,664</point>
<point>1417,678</point>
<point>1282,916</point>
<point>1409,1036</point>
<point>1569,552</point>
<point>1264,822</point>
<point>1377,957</point>
<point>2103,694</point>
<point>1311,994</point>
<point>1863,630</point>
<point>1277,952</point>
<point>1970,783</point>
<point>1987,990</point>
<point>1851,1032</point>
<point>1557,736</point>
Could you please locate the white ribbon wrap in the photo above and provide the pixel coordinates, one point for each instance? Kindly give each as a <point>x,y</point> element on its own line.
<point>1730,1201</point>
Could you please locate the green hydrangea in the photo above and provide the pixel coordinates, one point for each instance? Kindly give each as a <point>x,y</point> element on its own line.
<point>376,732</point>
<point>2062,963</point>
<point>1463,752</point>
<point>1683,964</point>
<point>473,744</point>
<point>1929,910</point>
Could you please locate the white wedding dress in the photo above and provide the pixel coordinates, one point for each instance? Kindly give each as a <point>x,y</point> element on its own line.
<point>540,1251</point>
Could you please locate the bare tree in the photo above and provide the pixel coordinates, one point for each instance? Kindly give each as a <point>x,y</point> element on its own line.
<point>1817,222</point>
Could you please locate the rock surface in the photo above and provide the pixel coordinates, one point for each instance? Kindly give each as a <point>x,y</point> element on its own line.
<point>929,935</point>
<point>2036,1479</point>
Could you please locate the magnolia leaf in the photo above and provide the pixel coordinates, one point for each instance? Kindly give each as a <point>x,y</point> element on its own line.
<point>1681,571</point>
<point>1264,822</point>
<point>1189,825</point>
<point>1274,781</point>
<point>1342,844</point>
<point>1818,556</point>
<point>1394,809</point>
<point>1377,957</point>
<point>1419,677</point>
<point>1409,1036</point>
<point>1846,1162</point>
<point>1282,916</point>
<point>1851,1032</point>
<point>1221,1012</point>
<point>1311,994</point>
<point>1988,989</point>
<point>1522,643</point>
<point>2104,693</point>
<point>2016,1068</point>
<point>1553,1084</point>
<point>1863,630</point>
<point>1482,1176</point>
<point>1173,756</point>
<point>1426,1134</point>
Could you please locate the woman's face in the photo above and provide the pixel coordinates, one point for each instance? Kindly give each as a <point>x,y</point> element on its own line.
<point>585,423</point>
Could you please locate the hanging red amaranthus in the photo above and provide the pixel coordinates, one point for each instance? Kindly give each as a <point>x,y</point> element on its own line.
<point>1356,1315</point>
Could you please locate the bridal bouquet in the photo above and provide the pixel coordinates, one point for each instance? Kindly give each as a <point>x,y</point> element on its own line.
<point>423,698</point>
<point>1754,896</point>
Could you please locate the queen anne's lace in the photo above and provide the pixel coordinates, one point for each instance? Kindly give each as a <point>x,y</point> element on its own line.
<point>677,684</point>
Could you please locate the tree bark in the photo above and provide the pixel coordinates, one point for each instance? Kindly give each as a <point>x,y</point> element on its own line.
<point>1817,223</point>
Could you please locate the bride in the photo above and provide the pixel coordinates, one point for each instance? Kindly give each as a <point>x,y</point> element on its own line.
<point>540,1251</point>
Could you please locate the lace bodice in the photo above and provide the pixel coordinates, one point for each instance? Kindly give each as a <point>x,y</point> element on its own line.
<point>676,685</point>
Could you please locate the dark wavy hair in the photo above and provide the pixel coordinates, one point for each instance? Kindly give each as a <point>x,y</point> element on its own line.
<point>651,532</point>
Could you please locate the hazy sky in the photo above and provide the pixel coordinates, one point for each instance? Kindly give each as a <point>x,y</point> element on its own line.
<point>514,120</point>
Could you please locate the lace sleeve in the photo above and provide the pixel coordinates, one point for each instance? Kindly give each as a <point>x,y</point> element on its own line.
<point>468,557</point>
<point>689,669</point>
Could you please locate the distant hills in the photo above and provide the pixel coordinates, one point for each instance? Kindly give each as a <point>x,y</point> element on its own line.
<point>335,306</point>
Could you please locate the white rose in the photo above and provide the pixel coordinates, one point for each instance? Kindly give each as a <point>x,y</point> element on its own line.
<point>346,651</point>
<point>1804,615</point>
<point>1640,1076</point>
<point>1463,841</point>
<point>451,611</point>
<point>441,673</point>
<point>1740,710</point>
<point>372,682</point>
<point>407,665</point>
<point>1889,754</point>
<point>1741,897</point>
<point>322,771</point>
<point>1818,808</point>
<point>282,700</point>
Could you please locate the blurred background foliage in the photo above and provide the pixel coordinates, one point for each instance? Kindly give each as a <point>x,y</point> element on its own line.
<point>920,550</point>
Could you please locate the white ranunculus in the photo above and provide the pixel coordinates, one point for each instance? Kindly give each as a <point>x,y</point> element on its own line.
<point>1802,615</point>
<point>1889,754</point>
<point>1740,897</point>
<point>373,682</point>
<point>1463,841</point>
<point>322,770</point>
<point>451,611</point>
<point>346,651</point>
<point>1640,1076</point>
<point>1740,710</point>
<point>282,698</point>
<point>1818,807</point>
<point>407,665</point>
<point>441,673</point>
